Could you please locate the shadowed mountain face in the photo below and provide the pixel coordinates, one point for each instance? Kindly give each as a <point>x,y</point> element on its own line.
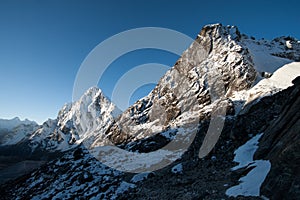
<point>19,169</point>
<point>281,145</point>
<point>258,97</point>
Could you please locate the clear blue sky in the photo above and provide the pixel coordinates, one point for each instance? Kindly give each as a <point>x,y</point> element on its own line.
<point>43,43</point>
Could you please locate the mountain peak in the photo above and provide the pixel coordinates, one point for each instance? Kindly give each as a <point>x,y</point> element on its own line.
<point>77,122</point>
<point>93,91</point>
<point>217,30</point>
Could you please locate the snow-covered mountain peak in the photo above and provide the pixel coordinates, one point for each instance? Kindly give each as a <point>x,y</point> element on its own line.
<point>217,30</point>
<point>92,91</point>
<point>89,109</point>
<point>76,122</point>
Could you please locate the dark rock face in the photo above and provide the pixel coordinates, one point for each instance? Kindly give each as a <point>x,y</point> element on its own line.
<point>281,145</point>
<point>292,48</point>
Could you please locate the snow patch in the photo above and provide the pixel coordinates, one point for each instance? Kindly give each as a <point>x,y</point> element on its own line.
<point>262,56</point>
<point>139,177</point>
<point>123,160</point>
<point>249,184</point>
<point>177,169</point>
<point>281,79</point>
<point>244,154</point>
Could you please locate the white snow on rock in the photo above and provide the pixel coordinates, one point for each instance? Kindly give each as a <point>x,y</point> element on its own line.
<point>177,169</point>
<point>139,177</point>
<point>244,154</point>
<point>123,160</point>
<point>281,79</point>
<point>249,184</point>
<point>261,52</point>
<point>289,44</point>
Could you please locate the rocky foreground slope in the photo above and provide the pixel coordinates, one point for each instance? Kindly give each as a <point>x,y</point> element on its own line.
<point>224,76</point>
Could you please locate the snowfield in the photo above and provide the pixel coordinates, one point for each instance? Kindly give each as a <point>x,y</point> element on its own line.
<point>249,184</point>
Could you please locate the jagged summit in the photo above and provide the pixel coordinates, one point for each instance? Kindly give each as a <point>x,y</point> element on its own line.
<point>93,91</point>
<point>217,30</point>
<point>76,122</point>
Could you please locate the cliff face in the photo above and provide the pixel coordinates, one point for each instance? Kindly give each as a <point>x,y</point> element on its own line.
<point>281,145</point>
<point>216,57</point>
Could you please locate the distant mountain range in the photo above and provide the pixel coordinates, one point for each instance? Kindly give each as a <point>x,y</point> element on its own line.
<point>14,130</point>
<point>260,137</point>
